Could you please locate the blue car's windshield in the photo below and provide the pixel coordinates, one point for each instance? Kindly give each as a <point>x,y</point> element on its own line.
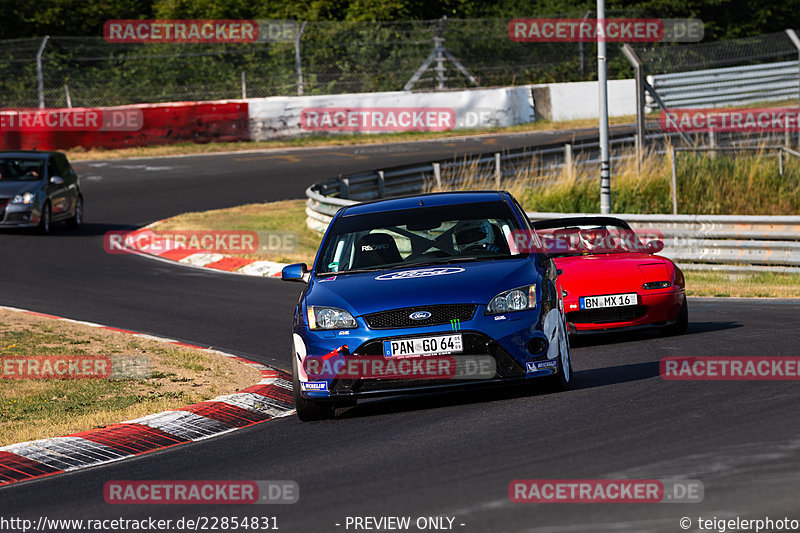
<point>424,235</point>
<point>21,169</point>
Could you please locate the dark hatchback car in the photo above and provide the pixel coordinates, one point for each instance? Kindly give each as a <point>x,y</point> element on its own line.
<point>37,189</point>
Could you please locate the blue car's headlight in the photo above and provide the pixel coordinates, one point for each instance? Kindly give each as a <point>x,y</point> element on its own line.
<point>517,299</point>
<point>25,198</point>
<point>330,318</point>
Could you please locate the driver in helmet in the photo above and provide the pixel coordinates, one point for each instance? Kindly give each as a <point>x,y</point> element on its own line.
<point>474,235</point>
<point>595,240</point>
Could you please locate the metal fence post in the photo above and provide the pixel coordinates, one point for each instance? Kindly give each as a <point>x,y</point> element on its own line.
<point>640,100</point>
<point>673,153</point>
<point>602,78</point>
<point>381,184</point>
<point>712,142</point>
<point>498,173</point>
<point>66,93</point>
<point>580,43</point>
<point>298,63</point>
<point>568,164</point>
<point>437,174</point>
<point>344,187</point>
<point>787,138</point>
<point>244,86</point>
<point>39,74</point>
<point>796,41</point>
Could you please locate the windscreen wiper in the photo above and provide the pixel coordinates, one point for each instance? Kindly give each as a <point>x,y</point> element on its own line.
<point>353,271</point>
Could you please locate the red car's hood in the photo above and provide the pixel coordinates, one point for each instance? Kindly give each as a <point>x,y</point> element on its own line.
<point>611,273</point>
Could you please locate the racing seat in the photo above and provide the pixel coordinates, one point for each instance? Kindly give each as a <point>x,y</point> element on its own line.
<point>376,249</point>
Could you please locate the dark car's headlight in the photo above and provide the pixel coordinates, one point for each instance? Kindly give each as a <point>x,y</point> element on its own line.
<point>517,299</point>
<point>330,318</point>
<point>25,198</point>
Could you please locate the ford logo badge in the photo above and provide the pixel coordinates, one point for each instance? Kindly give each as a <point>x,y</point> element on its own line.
<point>419,315</point>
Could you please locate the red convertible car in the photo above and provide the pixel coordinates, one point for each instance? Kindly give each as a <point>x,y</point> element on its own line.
<point>610,279</point>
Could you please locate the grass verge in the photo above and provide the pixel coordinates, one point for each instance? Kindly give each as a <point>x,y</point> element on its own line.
<point>748,184</point>
<point>755,285</point>
<point>284,216</point>
<point>35,409</point>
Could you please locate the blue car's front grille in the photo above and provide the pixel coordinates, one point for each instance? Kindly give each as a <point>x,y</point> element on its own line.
<point>439,315</point>
<point>474,344</point>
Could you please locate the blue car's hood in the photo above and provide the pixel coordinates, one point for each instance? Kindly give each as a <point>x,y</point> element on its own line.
<point>469,282</point>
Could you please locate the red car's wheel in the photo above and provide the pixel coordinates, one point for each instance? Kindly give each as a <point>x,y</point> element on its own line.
<point>682,324</point>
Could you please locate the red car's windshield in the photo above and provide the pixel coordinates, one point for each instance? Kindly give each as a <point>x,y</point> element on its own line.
<point>590,239</point>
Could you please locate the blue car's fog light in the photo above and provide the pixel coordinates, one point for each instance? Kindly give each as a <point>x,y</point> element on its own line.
<point>537,346</point>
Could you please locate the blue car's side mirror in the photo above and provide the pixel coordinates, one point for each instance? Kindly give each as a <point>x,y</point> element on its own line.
<point>295,272</point>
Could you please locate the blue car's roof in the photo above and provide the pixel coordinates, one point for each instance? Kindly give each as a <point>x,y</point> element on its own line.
<point>429,200</point>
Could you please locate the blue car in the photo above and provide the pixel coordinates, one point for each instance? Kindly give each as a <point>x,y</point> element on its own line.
<point>427,292</point>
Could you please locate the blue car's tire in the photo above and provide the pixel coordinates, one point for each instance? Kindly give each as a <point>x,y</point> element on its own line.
<point>308,410</point>
<point>561,380</point>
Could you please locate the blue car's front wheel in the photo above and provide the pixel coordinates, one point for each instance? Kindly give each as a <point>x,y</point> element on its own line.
<point>308,410</point>
<point>560,381</point>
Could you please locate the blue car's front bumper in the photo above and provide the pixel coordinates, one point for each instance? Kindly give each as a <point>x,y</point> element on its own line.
<point>517,341</point>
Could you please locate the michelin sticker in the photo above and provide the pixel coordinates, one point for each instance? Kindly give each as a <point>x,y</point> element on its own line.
<point>314,385</point>
<point>420,273</point>
<point>533,366</point>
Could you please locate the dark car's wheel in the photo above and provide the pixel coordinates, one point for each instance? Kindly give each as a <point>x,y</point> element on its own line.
<point>45,220</point>
<point>308,410</point>
<point>682,324</point>
<point>77,219</point>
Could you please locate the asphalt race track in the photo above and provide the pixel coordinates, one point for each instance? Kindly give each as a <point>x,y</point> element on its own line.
<point>436,455</point>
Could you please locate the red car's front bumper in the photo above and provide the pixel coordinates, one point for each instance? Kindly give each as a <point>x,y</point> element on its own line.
<point>657,308</point>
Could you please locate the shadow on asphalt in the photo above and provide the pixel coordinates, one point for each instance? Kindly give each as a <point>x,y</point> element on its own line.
<point>584,379</point>
<point>601,339</point>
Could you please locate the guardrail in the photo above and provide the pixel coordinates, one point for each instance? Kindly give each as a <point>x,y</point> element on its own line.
<point>705,242</point>
<point>728,86</point>
<point>494,167</point>
<point>720,242</point>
